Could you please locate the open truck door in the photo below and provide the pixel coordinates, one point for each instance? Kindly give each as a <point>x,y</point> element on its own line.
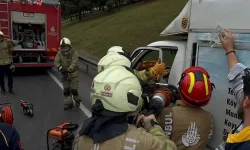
<point>146,57</point>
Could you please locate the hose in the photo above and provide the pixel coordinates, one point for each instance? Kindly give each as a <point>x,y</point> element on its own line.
<point>7,115</point>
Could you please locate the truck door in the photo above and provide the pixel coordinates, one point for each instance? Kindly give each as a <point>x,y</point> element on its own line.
<point>145,57</point>
<point>140,53</point>
<point>223,104</point>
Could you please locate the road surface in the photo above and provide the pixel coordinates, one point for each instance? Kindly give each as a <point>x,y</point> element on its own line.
<point>44,90</point>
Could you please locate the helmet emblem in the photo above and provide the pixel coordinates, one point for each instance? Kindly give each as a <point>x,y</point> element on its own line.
<point>107,87</point>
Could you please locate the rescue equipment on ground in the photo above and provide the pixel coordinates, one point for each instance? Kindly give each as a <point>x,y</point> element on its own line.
<point>62,136</point>
<point>27,108</point>
<point>6,114</point>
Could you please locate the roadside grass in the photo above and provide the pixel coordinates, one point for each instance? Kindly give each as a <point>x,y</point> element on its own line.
<point>134,26</point>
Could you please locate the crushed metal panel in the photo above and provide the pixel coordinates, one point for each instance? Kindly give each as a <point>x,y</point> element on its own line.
<point>232,14</point>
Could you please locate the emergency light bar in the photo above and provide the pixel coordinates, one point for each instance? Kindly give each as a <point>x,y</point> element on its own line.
<point>35,2</point>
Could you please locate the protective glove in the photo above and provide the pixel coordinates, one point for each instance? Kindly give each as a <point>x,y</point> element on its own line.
<point>146,121</point>
<point>70,70</point>
<point>63,69</point>
<point>12,67</point>
<point>157,70</point>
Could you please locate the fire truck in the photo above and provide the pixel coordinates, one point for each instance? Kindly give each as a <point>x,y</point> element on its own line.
<point>37,24</point>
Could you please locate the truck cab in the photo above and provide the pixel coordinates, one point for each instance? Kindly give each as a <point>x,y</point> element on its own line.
<point>203,48</point>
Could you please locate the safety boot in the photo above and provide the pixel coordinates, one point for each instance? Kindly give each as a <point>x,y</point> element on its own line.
<point>3,91</point>
<point>11,91</point>
<point>77,99</point>
<point>68,103</point>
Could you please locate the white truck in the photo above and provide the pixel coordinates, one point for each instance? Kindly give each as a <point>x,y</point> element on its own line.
<point>199,20</point>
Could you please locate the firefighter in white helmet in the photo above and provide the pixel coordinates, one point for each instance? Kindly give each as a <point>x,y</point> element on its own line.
<point>6,62</point>
<point>116,49</point>
<point>113,58</point>
<point>116,93</point>
<point>66,62</point>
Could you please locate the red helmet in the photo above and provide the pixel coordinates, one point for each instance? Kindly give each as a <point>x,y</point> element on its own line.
<point>195,87</point>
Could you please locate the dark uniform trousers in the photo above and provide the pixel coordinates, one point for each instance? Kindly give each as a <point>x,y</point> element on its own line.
<point>5,69</point>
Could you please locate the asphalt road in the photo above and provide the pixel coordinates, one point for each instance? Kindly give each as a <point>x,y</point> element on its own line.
<point>43,89</point>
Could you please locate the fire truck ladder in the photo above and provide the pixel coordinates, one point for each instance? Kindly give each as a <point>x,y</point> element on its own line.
<point>4,18</point>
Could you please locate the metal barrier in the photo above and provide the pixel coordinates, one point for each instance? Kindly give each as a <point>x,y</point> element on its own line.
<point>88,63</point>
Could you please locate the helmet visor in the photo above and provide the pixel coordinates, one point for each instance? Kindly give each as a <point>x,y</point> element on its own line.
<point>64,47</point>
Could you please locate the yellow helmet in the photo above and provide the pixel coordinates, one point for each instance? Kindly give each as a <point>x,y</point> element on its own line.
<point>112,60</point>
<point>118,90</point>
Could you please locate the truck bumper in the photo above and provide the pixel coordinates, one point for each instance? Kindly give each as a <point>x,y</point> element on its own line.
<point>22,65</point>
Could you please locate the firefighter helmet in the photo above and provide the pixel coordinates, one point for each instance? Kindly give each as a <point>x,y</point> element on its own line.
<point>1,33</point>
<point>115,50</point>
<point>117,89</point>
<point>119,50</point>
<point>195,87</point>
<point>65,44</point>
<point>113,60</point>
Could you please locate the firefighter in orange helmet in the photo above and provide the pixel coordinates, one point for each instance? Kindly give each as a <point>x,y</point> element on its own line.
<point>187,124</point>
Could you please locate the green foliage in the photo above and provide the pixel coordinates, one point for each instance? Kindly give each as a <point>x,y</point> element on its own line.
<point>134,26</point>
<point>110,4</point>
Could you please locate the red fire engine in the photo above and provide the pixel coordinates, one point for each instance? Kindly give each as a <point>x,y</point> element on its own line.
<point>37,24</point>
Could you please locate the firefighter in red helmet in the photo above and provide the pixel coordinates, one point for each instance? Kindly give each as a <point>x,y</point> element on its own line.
<point>187,124</point>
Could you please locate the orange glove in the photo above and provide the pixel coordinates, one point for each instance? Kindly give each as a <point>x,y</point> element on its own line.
<point>157,70</point>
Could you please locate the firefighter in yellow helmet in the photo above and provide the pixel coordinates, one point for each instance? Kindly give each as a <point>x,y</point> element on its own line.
<point>187,124</point>
<point>66,62</point>
<point>6,62</point>
<point>116,56</point>
<point>116,93</point>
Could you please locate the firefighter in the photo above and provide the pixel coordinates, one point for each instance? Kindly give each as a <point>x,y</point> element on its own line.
<point>6,62</point>
<point>187,124</point>
<point>114,59</point>
<point>239,78</point>
<point>9,138</point>
<point>118,50</point>
<point>115,93</point>
<point>66,62</point>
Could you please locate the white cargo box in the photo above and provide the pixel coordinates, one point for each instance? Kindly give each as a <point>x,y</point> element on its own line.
<point>232,14</point>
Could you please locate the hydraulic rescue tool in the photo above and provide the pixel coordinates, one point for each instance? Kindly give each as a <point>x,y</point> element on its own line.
<point>62,136</point>
<point>6,114</point>
<point>157,96</point>
<point>27,108</point>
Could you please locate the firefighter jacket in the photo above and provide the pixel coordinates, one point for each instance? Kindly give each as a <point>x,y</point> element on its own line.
<point>186,126</point>
<point>143,75</point>
<point>5,51</point>
<point>134,138</point>
<point>9,138</point>
<point>68,61</point>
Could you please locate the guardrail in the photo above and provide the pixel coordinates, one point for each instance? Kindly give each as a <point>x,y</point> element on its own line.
<point>88,63</point>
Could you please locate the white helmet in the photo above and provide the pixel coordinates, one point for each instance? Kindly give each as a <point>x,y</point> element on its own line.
<point>65,44</point>
<point>117,89</point>
<point>1,33</point>
<point>115,50</point>
<point>113,60</point>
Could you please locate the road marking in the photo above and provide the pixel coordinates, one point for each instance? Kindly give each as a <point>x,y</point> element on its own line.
<point>58,82</point>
